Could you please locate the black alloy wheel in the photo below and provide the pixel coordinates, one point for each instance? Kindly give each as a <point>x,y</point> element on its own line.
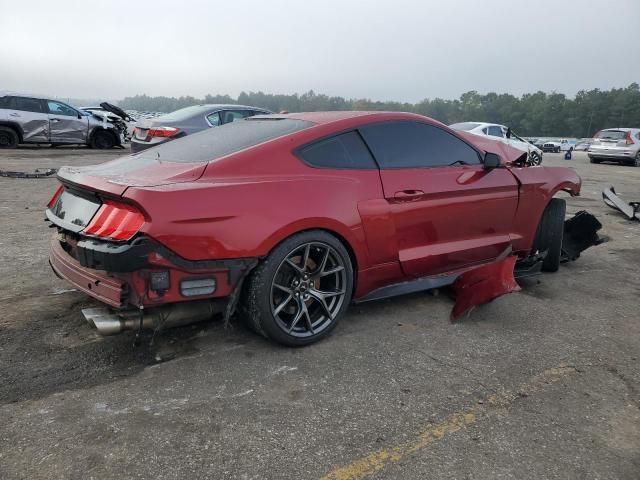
<point>299,292</point>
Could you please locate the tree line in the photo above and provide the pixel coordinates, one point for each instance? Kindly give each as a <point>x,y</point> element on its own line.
<point>532,114</point>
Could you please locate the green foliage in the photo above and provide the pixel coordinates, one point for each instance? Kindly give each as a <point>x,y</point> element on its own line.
<point>540,113</point>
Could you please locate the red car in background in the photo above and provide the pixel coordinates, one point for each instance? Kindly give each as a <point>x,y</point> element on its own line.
<point>292,217</point>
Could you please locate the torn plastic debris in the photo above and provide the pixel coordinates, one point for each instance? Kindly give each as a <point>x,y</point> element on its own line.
<point>483,284</point>
<point>488,282</point>
<point>37,173</point>
<point>631,210</point>
<point>580,233</point>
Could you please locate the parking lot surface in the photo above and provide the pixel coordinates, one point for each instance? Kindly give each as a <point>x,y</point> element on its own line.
<point>544,383</point>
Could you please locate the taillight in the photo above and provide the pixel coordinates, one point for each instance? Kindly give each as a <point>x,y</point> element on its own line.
<point>627,139</point>
<point>115,221</point>
<point>55,197</point>
<point>163,131</point>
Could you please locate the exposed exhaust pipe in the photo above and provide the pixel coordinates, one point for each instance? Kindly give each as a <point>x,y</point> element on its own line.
<point>109,322</point>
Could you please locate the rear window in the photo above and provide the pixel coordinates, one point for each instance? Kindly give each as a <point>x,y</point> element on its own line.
<point>611,135</point>
<point>465,126</point>
<point>218,142</point>
<point>184,113</point>
<point>346,150</point>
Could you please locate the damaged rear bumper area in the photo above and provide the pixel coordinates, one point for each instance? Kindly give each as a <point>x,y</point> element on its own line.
<point>145,284</point>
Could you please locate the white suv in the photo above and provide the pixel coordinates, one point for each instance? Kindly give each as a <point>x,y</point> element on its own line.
<point>36,119</point>
<point>618,144</point>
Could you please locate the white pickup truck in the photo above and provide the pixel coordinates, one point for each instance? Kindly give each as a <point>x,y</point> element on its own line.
<point>557,145</point>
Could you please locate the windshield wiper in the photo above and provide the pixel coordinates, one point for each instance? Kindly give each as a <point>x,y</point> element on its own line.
<point>461,162</point>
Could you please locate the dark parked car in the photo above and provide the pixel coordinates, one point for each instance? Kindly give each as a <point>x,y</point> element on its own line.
<point>294,216</point>
<point>36,119</point>
<point>152,132</point>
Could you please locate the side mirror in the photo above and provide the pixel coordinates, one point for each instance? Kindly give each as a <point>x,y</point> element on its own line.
<point>509,132</point>
<point>491,161</point>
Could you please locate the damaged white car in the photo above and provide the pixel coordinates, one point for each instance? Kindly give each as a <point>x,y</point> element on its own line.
<point>40,120</point>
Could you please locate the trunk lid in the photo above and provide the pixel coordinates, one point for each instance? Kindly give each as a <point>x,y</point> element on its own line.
<point>144,170</point>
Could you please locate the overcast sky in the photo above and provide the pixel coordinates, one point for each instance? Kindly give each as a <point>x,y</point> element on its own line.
<point>384,50</point>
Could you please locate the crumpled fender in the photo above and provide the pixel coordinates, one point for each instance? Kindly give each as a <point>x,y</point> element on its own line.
<point>538,185</point>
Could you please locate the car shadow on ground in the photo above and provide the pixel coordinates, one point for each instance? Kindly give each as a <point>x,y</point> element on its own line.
<point>56,349</point>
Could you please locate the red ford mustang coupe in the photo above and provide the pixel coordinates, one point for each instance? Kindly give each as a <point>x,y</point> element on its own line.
<point>292,217</point>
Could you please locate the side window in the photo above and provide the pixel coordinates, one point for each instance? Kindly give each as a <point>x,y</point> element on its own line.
<point>229,116</point>
<point>4,102</point>
<point>406,144</point>
<point>495,131</point>
<point>485,130</point>
<point>214,119</point>
<point>57,108</point>
<point>346,150</point>
<point>26,104</point>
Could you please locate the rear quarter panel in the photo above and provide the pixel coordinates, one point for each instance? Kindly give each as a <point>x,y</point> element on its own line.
<point>230,213</point>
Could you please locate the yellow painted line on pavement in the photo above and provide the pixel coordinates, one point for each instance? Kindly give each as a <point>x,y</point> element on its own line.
<point>375,461</point>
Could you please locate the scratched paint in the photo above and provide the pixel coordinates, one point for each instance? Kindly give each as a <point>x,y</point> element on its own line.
<point>375,461</point>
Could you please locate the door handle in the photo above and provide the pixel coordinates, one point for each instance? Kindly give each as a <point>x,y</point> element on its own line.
<point>14,114</point>
<point>408,195</point>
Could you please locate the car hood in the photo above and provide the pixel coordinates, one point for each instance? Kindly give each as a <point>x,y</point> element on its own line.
<point>116,176</point>
<point>116,111</point>
<point>507,153</point>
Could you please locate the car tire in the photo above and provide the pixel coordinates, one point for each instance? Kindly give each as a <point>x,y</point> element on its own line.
<point>8,138</point>
<point>593,160</point>
<point>535,158</point>
<point>550,233</point>
<point>102,140</point>
<point>297,295</point>
<point>636,160</point>
<point>557,150</point>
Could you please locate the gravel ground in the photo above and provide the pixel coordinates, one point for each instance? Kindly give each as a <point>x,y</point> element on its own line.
<point>544,383</point>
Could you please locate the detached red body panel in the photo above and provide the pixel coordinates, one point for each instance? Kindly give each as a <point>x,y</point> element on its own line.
<point>483,284</point>
<point>209,206</point>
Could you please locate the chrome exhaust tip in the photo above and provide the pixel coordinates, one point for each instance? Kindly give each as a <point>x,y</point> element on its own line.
<point>105,322</point>
<point>108,322</point>
<point>109,325</point>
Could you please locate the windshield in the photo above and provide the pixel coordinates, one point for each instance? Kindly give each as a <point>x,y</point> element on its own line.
<point>465,126</point>
<point>611,135</point>
<point>214,143</point>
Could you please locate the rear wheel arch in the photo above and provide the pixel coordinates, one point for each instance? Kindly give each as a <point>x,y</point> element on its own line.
<point>341,238</point>
<point>257,303</point>
<point>15,127</point>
